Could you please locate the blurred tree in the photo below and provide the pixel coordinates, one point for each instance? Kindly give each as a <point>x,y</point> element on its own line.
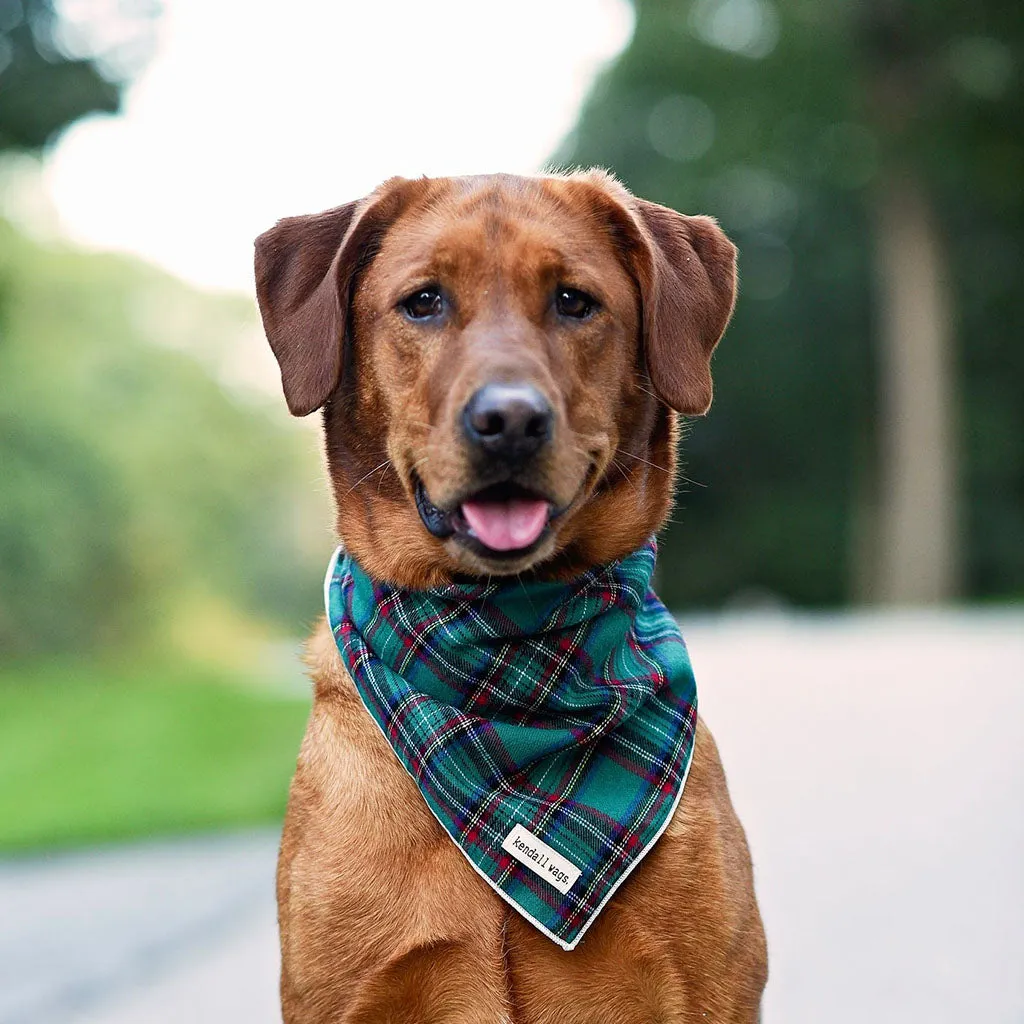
<point>135,490</point>
<point>58,64</point>
<point>143,495</point>
<point>867,157</point>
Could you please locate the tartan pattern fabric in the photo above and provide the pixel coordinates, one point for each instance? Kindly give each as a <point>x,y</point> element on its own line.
<point>567,708</point>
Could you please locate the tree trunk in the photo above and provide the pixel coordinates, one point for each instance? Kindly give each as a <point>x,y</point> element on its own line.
<point>917,543</point>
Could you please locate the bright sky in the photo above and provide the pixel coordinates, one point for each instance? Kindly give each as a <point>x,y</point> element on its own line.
<point>251,111</point>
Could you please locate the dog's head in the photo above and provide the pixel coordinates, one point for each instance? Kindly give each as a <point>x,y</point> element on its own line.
<point>500,361</point>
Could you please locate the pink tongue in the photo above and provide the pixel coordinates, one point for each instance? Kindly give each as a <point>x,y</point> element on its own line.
<point>506,525</point>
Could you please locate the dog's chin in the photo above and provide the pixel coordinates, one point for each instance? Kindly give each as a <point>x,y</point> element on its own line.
<point>501,530</point>
<point>474,559</point>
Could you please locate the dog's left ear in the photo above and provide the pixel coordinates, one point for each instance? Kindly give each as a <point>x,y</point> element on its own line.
<point>299,287</point>
<point>305,270</point>
<point>687,275</point>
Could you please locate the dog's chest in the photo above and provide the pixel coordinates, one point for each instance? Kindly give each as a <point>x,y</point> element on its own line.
<point>409,894</point>
<point>379,909</point>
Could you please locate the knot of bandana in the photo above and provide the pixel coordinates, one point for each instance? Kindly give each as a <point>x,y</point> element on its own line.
<point>549,726</point>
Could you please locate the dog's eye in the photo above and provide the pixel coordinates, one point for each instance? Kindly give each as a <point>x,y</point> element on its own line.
<point>423,303</point>
<point>571,302</point>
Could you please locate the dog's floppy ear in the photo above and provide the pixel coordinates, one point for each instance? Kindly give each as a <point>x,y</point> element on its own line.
<point>304,273</point>
<point>687,275</point>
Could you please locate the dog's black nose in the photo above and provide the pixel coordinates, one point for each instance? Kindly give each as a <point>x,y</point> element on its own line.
<point>509,421</point>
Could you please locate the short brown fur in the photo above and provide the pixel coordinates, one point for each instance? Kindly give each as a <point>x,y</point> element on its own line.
<point>382,919</point>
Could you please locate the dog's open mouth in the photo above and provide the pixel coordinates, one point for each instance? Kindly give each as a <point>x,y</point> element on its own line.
<point>501,521</point>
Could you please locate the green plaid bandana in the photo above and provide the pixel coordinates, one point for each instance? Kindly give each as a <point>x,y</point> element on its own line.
<point>549,726</point>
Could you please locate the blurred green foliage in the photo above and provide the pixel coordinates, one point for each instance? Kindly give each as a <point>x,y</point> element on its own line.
<point>156,512</point>
<point>143,502</point>
<point>781,117</point>
<point>140,493</point>
<point>90,754</point>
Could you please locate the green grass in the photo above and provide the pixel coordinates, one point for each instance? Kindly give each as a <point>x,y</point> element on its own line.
<point>92,754</point>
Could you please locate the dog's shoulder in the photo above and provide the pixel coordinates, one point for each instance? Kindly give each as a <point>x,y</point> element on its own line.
<point>343,751</point>
<point>705,824</point>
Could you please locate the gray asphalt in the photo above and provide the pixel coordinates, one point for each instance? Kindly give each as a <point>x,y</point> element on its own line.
<point>82,932</point>
<point>877,763</point>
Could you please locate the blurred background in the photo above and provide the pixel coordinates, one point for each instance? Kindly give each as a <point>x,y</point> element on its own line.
<point>847,551</point>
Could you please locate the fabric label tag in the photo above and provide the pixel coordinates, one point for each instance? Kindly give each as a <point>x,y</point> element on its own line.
<point>522,844</point>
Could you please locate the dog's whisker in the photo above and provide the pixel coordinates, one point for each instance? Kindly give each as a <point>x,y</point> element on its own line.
<point>625,476</point>
<point>376,469</point>
<point>519,578</point>
<point>646,462</point>
<point>690,480</point>
<point>646,391</point>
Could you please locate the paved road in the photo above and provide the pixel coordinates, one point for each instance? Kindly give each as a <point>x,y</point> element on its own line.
<point>131,933</point>
<point>878,764</point>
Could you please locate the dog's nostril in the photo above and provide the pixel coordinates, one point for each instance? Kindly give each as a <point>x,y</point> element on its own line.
<point>510,421</point>
<point>489,424</point>
<point>538,425</point>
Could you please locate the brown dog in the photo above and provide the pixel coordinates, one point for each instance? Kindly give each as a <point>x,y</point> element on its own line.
<point>473,342</point>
